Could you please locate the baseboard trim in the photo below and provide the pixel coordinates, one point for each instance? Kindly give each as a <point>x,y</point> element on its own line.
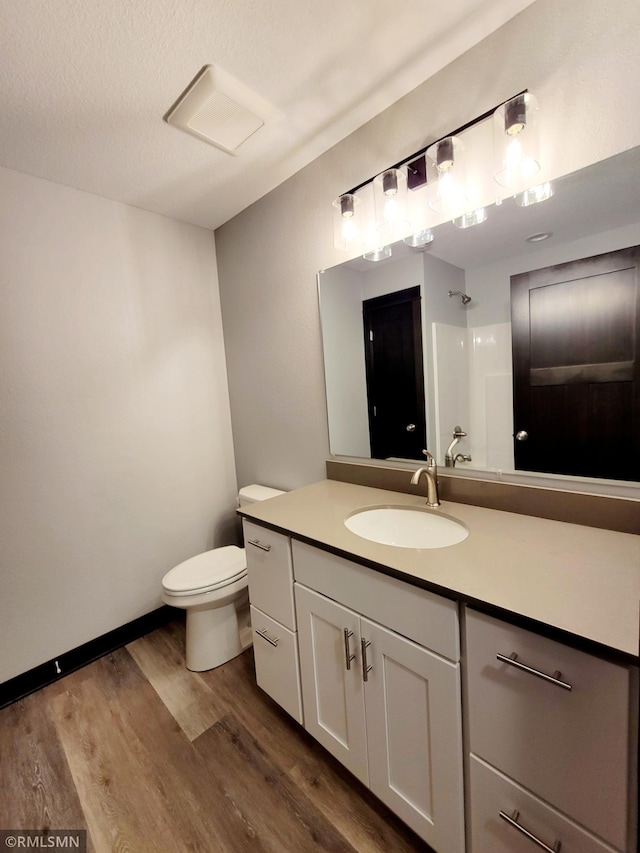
<point>55,669</point>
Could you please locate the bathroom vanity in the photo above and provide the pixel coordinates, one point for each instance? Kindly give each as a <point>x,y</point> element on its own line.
<point>487,692</point>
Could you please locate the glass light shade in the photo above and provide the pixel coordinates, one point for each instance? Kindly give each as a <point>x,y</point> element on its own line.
<point>378,254</point>
<point>346,222</point>
<point>534,195</point>
<point>419,239</point>
<point>515,142</point>
<point>390,200</point>
<point>445,174</point>
<point>472,217</point>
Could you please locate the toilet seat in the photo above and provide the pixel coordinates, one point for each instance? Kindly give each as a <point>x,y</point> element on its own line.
<point>206,572</point>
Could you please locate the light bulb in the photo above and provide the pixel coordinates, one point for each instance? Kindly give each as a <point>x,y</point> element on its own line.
<point>514,154</point>
<point>346,221</point>
<point>349,230</point>
<point>450,196</point>
<point>446,171</point>
<point>516,147</point>
<point>390,213</point>
<point>390,201</point>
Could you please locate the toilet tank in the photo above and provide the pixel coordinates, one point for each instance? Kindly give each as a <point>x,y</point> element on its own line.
<point>253,494</point>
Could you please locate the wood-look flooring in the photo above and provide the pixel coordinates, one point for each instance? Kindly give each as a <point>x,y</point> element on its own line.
<point>147,756</point>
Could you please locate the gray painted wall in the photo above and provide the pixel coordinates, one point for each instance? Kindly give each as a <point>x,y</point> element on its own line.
<point>115,433</point>
<point>344,360</point>
<point>579,57</point>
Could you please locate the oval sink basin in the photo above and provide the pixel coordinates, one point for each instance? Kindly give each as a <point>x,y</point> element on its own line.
<point>406,527</point>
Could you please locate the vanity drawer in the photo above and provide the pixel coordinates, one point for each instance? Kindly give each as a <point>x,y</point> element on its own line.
<point>421,616</point>
<point>270,572</point>
<point>492,793</point>
<point>570,747</point>
<point>275,650</point>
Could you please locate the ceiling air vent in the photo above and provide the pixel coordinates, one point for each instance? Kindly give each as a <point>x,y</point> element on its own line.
<point>219,109</point>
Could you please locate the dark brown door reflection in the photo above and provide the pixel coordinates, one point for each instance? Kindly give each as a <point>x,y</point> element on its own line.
<point>576,376</point>
<point>395,374</point>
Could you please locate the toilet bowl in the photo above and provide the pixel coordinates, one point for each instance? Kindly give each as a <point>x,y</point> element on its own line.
<point>212,588</point>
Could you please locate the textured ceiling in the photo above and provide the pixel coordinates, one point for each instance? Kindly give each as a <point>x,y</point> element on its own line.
<point>84,86</point>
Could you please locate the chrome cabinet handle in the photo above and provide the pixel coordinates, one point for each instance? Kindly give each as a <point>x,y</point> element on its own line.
<point>522,435</point>
<point>265,636</point>
<point>512,820</point>
<point>257,544</point>
<point>411,427</point>
<point>366,668</point>
<point>512,660</point>
<point>348,657</point>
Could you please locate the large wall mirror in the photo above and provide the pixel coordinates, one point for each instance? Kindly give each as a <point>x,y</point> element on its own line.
<point>454,357</point>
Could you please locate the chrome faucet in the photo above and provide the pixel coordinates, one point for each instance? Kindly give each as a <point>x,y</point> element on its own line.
<point>449,459</point>
<point>431,476</point>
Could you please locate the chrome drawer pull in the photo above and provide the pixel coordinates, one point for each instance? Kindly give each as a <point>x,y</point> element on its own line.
<point>512,660</point>
<point>266,637</point>
<point>257,544</point>
<point>366,668</point>
<point>348,657</point>
<point>512,820</point>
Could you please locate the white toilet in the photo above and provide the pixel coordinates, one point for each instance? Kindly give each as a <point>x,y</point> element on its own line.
<point>212,588</point>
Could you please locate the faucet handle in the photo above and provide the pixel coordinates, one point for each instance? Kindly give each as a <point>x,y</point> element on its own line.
<point>430,457</point>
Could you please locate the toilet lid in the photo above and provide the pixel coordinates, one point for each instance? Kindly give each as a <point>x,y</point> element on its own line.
<point>207,571</point>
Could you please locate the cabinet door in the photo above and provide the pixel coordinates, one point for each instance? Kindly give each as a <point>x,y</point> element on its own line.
<point>270,572</point>
<point>414,734</point>
<point>275,653</point>
<point>331,677</point>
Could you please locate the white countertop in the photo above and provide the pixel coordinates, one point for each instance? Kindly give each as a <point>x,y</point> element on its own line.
<point>582,580</point>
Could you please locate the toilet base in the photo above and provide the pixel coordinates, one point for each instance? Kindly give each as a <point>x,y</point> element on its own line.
<point>215,635</point>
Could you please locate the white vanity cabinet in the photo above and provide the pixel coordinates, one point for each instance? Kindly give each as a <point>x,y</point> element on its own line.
<point>371,665</point>
<point>273,618</point>
<point>551,743</point>
<point>387,707</point>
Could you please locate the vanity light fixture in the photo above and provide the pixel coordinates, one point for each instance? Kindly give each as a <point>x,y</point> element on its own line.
<point>534,195</point>
<point>515,139</point>
<point>473,217</point>
<point>445,180</point>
